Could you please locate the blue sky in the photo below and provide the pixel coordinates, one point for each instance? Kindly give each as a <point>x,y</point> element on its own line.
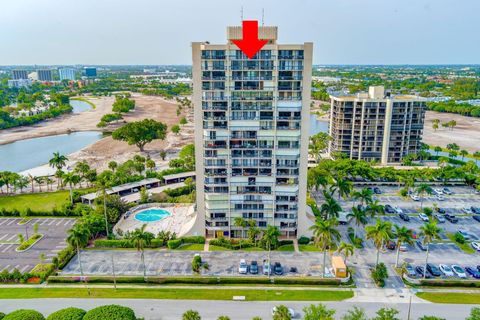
<point>160,32</point>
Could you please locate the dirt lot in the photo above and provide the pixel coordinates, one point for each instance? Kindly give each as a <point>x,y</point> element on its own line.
<point>466,134</point>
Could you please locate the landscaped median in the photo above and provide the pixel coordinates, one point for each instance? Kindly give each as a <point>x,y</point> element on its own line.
<point>24,246</point>
<point>450,297</point>
<point>175,293</point>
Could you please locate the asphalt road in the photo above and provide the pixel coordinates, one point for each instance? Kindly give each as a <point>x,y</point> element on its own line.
<point>211,310</point>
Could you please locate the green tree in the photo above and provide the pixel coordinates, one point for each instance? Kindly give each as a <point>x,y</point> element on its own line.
<point>355,314</point>
<point>325,234</point>
<point>241,223</point>
<point>281,313</point>
<point>330,208</point>
<point>364,195</point>
<point>347,249</point>
<point>379,233</point>
<point>191,315</point>
<point>140,239</point>
<point>437,149</point>
<point>463,153</point>
<point>374,208</point>
<point>143,195</point>
<point>474,314</point>
<point>72,180</point>
<point>359,217</point>
<point>429,232</point>
<point>223,318</point>
<point>112,165</point>
<point>183,121</point>
<point>102,183</point>
<point>344,187</point>
<point>78,238</point>
<point>386,314</point>
<point>318,312</point>
<point>141,132</point>
<point>187,156</point>
<point>163,155</point>
<point>403,235</point>
<point>423,189</point>
<point>58,161</point>
<point>176,129</point>
<point>150,164</point>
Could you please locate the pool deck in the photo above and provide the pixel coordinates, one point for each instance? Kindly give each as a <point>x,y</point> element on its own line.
<point>181,219</point>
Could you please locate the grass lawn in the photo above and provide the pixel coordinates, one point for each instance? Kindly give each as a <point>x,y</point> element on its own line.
<point>217,248</point>
<point>36,202</point>
<point>192,246</point>
<point>308,248</point>
<point>253,249</point>
<point>466,247</point>
<point>286,247</point>
<point>188,294</point>
<point>450,297</point>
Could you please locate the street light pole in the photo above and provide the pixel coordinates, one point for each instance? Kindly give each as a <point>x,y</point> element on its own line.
<point>113,271</point>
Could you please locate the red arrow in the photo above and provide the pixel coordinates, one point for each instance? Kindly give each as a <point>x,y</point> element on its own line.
<point>250,44</point>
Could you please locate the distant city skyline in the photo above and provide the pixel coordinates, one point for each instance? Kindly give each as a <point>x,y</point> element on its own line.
<point>144,32</point>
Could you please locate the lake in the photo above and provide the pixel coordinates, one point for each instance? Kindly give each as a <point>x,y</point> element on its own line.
<point>317,126</point>
<point>80,106</point>
<point>25,154</point>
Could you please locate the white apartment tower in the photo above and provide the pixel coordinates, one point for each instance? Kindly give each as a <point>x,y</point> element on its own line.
<point>251,134</point>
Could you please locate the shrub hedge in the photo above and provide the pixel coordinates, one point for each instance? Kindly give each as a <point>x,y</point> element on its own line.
<point>125,243</point>
<point>110,312</point>
<point>451,283</point>
<point>67,314</point>
<point>304,240</point>
<point>24,314</point>
<point>175,243</point>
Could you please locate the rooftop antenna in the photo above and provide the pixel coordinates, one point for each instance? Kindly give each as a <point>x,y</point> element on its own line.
<point>263,16</point>
<point>241,14</point>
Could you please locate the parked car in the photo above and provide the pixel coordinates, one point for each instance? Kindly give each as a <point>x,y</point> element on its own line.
<point>377,190</point>
<point>446,270</point>
<point>267,268</point>
<point>475,210</point>
<point>420,271</point>
<point>476,218</point>
<point>290,311</point>
<point>397,209</point>
<point>391,245</point>
<point>433,269</point>
<point>440,210</point>
<point>439,218</point>
<point>423,217</point>
<point>475,245</point>
<point>459,271</point>
<point>414,234</point>
<point>473,272</point>
<point>439,197</point>
<point>437,191</point>
<point>403,247</point>
<point>404,216</point>
<point>464,233</point>
<point>467,210</point>
<point>278,269</point>
<point>410,270</point>
<point>389,209</point>
<point>243,267</point>
<point>254,267</point>
<point>451,218</point>
<point>421,245</point>
<point>414,197</point>
<point>447,191</point>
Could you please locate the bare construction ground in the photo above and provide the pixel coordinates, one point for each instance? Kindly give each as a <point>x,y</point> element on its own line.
<point>466,133</point>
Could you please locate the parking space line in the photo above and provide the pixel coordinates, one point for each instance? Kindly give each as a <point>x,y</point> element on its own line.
<point>2,221</point>
<point>11,238</point>
<point>11,221</point>
<point>1,238</point>
<point>6,267</point>
<point>52,222</point>
<point>25,268</point>
<point>7,247</point>
<point>59,222</point>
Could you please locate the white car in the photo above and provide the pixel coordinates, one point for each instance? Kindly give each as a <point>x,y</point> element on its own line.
<point>403,247</point>
<point>459,271</point>
<point>446,270</point>
<point>467,210</point>
<point>243,267</point>
<point>438,191</point>
<point>439,197</point>
<point>447,191</point>
<point>414,197</point>
<point>423,217</point>
<point>290,310</point>
<point>476,245</point>
<point>397,209</point>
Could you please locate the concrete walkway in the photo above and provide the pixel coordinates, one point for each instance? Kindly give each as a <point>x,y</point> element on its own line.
<point>295,245</point>
<point>207,245</point>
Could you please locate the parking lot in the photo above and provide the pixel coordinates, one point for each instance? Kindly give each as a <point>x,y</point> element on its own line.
<point>179,263</point>
<point>54,231</point>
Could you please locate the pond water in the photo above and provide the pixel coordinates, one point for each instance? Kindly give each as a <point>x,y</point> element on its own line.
<point>25,154</point>
<point>80,106</point>
<point>317,126</point>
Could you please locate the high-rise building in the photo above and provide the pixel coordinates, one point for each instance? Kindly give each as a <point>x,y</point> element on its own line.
<point>66,74</point>
<point>377,126</point>
<point>251,134</point>
<point>90,71</point>
<point>19,74</point>
<point>45,75</point>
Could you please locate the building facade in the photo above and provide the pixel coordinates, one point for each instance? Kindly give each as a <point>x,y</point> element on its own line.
<point>45,75</point>
<point>19,74</point>
<point>376,125</point>
<point>90,72</point>
<point>66,74</point>
<point>251,134</point>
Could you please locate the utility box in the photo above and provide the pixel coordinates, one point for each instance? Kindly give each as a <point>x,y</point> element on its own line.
<point>339,267</point>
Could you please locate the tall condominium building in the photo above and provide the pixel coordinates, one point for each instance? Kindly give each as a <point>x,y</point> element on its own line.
<point>90,71</point>
<point>45,75</point>
<point>66,74</point>
<point>19,74</point>
<point>376,125</point>
<point>251,134</point>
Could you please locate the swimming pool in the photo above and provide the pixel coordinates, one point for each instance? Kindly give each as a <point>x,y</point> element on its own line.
<point>152,214</point>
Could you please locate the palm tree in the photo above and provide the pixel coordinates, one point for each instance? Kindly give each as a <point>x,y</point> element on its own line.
<point>71,179</point>
<point>379,233</point>
<point>21,183</point>
<point>375,208</point>
<point>140,238</point>
<point>359,217</point>
<point>82,169</point>
<point>58,161</point>
<point>253,231</point>
<point>325,233</point>
<point>463,153</point>
<point>347,249</point>
<point>270,239</point>
<point>38,181</point>
<point>404,235</point>
<point>281,313</point>
<point>423,189</point>
<point>78,238</point>
<point>344,187</point>
<point>103,182</point>
<point>241,223</point>
<point>364,195</point>
<point>429,232</point>
<point>191,315</point>
<point>330,208</point>
<point>59,174</point>
<point>32,180</point>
